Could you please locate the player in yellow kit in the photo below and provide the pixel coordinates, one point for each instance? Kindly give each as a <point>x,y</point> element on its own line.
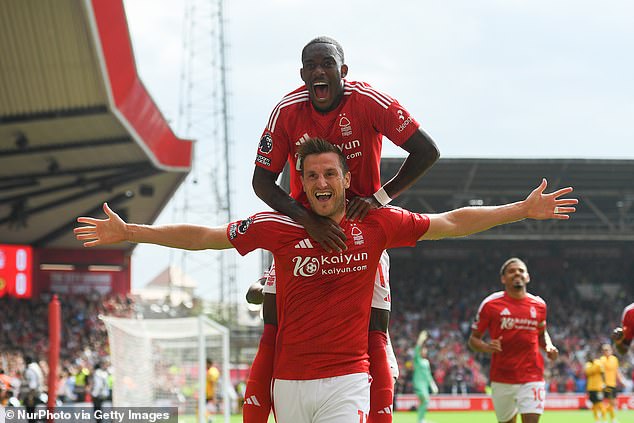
<point>594,386</point>
<point>612,375</point>
<point>213,374</point>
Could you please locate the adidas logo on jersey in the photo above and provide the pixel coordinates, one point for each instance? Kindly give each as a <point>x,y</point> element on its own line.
<point>252,400</point>
<point>304,243</point>
<point>505,312</point>
<point>385,410</point>
<point>303,139</point>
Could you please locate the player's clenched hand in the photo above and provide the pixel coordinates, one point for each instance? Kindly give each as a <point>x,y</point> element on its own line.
<point>495,345</point>
<point>542,206</point>
<point>617,334</point>
<point>326,232</point>
<point>552,352</point>
<point>101,231</point>
<point>358,207</point>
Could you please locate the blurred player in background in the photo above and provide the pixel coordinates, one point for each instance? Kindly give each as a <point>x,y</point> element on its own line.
<point>99,391</point>
<point>595,386</point>
<point>321,368</point>
<point>516,322</point>
<point>612,376</point>
<point>423,380</point>
<point>33,385</point>
<point>211,376</point>
<point>622,336</point>
<point>354,116</point>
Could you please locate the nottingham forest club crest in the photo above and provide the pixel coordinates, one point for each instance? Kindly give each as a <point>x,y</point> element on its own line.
<point>266,144</point>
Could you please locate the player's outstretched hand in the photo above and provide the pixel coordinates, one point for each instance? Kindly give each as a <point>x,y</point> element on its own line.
<point>358,207</point>
<point>542,206</point>
<point>326,232</point>
<point>101,231</point>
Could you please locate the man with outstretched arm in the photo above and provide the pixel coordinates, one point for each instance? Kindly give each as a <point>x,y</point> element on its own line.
<point>355,117</point>
<point>321,356</point>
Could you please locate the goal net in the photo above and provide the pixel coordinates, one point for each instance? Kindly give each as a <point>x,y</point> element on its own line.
<point>162,363</point>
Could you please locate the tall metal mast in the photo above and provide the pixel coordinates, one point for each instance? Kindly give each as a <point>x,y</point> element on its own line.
<point>204,116</point>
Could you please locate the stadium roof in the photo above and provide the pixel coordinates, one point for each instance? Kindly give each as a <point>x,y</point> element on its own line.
<point>77,126</point>
<point>605,189</point>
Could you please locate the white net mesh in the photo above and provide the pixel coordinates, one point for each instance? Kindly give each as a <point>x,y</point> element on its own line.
<point>158,362</point>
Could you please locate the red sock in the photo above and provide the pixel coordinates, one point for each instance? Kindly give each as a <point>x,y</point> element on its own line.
<point>257,398</point>
<point>381,389</point>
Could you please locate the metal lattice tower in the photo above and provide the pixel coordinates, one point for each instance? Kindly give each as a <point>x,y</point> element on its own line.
<point>205,197</point>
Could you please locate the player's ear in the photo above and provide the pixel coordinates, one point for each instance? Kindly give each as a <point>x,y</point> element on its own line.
<point>301,74</point>
<point>346,180</point>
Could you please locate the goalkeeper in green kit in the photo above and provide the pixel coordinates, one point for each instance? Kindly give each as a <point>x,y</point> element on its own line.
<point>423,382</point>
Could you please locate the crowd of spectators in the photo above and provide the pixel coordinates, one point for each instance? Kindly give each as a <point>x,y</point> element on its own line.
<point>84,341</point>
<point>441,292</point>
<point>436,288</point>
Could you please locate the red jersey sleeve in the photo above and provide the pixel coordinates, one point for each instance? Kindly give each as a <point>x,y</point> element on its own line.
<point>274,145</point>
<point>388,116</point>
<point>402,227</point>
<point>627,321</point>
<point>267,230</point>
<point>542,325</point>
<point>482,319</point>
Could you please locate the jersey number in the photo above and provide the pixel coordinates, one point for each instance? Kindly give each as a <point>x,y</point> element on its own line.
<point>538,394</point>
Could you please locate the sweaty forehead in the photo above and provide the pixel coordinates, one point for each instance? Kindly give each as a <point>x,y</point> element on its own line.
<point>514,265</point>
<point>320,51</point>
<point>314,162</point>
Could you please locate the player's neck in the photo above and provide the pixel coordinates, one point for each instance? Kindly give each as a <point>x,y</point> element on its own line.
<point>517,294</point>
<point>338,217</point>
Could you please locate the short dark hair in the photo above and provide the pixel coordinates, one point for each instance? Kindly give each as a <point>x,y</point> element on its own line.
<point>325,40</point>
<point>509,261</point>
<point>319,146</point>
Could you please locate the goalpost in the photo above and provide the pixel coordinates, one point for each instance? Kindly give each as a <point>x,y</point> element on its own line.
<point>162,363</point>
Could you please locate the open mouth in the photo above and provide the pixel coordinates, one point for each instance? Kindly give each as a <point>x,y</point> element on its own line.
<point>321,90</point>
<point>323,196</point>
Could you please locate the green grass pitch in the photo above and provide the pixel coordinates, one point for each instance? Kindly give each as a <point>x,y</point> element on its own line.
<point>581,416</point>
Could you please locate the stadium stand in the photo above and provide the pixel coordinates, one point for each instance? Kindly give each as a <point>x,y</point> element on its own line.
<point>77,128</point>
<point>582,267</point>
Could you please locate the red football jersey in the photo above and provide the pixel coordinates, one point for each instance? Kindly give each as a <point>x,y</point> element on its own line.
<point>628,322</point>
<point>323,299</point>
<point>519,323</point>
<point>356,126</point>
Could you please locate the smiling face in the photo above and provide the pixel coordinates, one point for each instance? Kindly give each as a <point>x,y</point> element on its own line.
<point>515,277</point>
<point>323,72</point>
<point>325,184</point>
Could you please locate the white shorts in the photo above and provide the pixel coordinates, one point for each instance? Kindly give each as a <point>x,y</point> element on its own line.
<point>511,399</point>
<point>340,399</point>
<point>381,296</point>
